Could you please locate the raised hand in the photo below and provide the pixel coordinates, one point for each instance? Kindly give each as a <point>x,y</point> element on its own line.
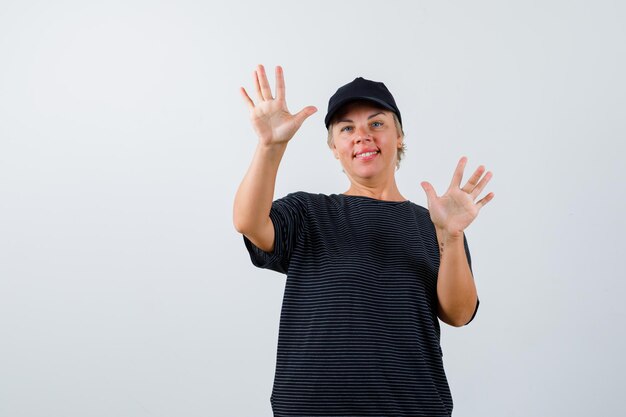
<point>272,121</point>
<point>456,209</point>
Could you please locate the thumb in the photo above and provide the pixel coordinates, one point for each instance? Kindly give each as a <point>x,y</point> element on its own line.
<point>429,190</point>
<point>303,114</point>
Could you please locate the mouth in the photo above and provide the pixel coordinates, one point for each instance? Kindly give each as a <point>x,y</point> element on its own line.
<point>366,155</point>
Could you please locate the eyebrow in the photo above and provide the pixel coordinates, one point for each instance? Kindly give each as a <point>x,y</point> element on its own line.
<point>350,121</point>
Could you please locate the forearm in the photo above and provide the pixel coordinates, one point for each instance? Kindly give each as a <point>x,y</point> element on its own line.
<point>254,197</point>
<point>456,291</point>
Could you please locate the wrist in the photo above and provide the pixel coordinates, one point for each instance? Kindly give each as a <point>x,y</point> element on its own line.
<point>445,235</point>
<point>272,141</point>
<point>271,149</point>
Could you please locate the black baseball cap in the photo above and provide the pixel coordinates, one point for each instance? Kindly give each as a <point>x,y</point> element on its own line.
<point>361,89</point>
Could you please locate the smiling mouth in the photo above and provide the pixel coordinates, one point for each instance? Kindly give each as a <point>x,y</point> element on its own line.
<point>366,154</point>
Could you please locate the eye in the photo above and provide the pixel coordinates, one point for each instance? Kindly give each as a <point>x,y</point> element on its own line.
<point>346,129</point>
<point>377,124</point>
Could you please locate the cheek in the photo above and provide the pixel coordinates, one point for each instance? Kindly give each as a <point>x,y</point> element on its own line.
<point>341,149</point>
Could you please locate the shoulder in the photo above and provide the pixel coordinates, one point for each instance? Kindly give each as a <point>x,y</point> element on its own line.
<point>420,211</point>
<point>310,205</point>
<point>422,217</point>
<point>306,198</point>
<point>301,203</point>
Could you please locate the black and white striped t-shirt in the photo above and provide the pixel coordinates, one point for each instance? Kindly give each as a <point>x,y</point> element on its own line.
<point>359,334</point>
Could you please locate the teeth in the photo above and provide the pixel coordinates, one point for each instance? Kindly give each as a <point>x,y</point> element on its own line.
<point>366,154</point>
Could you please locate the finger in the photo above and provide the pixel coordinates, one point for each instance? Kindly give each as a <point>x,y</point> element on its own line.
<point>471,183</point>
<point>280,83</point>
<point>246,98</point>
<point>481,203</point>
<point>257,86</point>
<point>429,190</point>
<point>481,184</point>
<point>266,91</point>
<point>458,173</point>
<point>303,114</point>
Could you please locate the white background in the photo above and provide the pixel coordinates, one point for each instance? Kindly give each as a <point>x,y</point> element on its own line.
<point>124,289</point>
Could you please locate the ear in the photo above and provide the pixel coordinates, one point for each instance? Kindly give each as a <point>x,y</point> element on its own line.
<point>333,148</point>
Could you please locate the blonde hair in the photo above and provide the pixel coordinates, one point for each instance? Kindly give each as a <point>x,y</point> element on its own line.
<point>399,129</point>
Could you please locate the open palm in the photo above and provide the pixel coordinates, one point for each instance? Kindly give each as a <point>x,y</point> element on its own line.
<point>455,210</point>
<point>271,120</point>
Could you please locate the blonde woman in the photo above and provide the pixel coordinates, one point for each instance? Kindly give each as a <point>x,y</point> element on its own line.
<point>369,273</point>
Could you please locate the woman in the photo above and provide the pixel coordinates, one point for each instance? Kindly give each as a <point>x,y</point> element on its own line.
<point>368,272</point>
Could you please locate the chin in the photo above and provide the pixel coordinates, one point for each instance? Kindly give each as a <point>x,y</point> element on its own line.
<point>368,173</point>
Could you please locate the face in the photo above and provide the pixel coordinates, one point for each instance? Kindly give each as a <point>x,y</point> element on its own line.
<point>366,141</point>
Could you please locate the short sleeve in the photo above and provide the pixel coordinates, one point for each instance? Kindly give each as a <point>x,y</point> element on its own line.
<point>288,216</point>
<point>469,261</point>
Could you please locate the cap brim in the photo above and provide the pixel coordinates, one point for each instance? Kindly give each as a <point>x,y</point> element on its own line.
<point>340,104</point>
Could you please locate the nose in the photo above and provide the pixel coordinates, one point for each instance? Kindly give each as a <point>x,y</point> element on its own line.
<point>362,135</point>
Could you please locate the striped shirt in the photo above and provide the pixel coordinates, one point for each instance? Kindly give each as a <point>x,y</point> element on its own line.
<point>359,333</point>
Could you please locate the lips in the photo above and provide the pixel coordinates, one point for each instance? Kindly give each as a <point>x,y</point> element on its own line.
<point>366,153</point>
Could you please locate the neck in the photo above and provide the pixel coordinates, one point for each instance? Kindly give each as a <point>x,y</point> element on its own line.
<point>382,191</point>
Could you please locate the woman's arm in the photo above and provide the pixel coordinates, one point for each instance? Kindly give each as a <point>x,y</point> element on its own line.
<point>456,290</point>
<point>451,214</point>
<point>274,126</point>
